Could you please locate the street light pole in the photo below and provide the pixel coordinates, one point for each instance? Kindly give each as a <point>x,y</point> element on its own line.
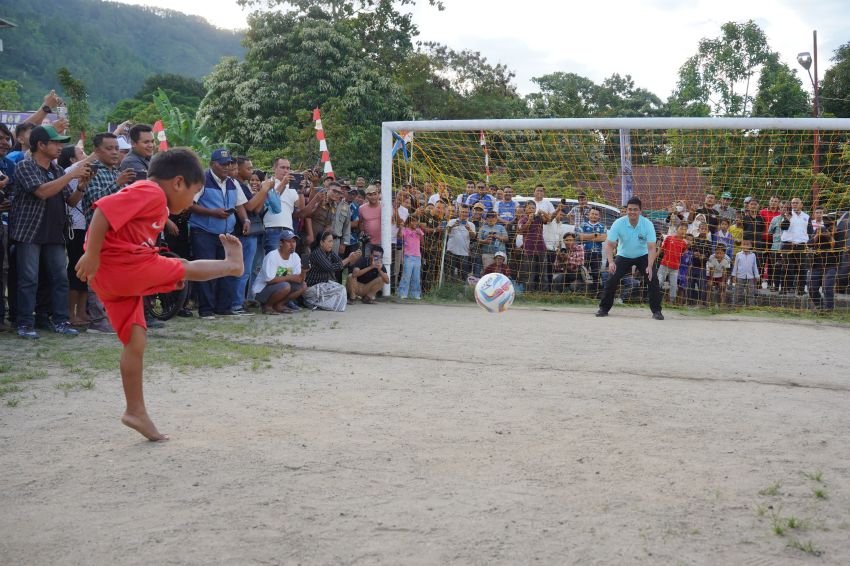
<point>805,60</point>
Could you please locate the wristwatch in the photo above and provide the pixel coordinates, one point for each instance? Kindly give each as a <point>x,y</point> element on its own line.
<point>47,109</point>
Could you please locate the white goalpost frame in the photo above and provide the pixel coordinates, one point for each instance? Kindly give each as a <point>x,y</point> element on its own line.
<point>387,129</point>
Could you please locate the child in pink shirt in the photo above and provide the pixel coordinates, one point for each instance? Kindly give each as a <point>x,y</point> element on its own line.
<point>411,276</point>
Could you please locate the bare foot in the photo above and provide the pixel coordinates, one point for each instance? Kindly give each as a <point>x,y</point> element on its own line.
<point>144,426</point>
<point>232,254</point>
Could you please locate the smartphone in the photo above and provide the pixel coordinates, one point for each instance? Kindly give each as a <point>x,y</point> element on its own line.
<point>230,211</point>
<point>93,168</point>
<point>296,180</point>
<point>140,174</point>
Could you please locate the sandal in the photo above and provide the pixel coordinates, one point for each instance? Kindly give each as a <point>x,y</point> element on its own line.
<point>271,312</point>
<point>368,301</point>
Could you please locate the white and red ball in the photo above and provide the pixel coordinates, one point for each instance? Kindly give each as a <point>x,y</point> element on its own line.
<point>494,293</point>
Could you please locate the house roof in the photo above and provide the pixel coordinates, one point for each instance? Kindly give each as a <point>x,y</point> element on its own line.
<point>656,186</point>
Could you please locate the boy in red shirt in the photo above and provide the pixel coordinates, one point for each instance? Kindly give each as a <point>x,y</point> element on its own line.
<point>122,263</point>
<point>672,249</point>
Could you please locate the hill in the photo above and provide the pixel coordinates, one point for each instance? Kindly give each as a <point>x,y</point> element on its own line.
<point>111,47</point>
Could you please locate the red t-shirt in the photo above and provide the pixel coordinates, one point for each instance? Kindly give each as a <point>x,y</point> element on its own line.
<point>136,216</point>
<point>673,248</point>
<point>768,216</point>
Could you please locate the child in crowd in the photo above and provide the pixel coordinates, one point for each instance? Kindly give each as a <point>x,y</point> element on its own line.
<point>122,263</point>
<point>716,271</point>
<point>723,236</point>
<point>685,263</point>
<point>672,249</point>
<point>745,272</point>
<point>736,230</point>
<point>411,278</point>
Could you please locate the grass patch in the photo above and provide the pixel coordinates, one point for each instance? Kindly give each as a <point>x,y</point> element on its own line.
<point>11,376</point>
<point>808,547</point>
<point>771,490</point>
<point>815,476</point>
<point>819,493</point>
<point>13,402</point>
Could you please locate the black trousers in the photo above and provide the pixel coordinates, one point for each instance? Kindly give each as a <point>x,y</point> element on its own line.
<point>624,267</point>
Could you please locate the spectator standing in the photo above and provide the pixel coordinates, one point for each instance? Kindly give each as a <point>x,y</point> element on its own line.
<point>736,230</point>
<point>580,213</point>
<point>141,150</point>
<point>283,200</point>
<point>712,216</point>
<point>722,236</point>
<point>633,237</point>
<point>7,180</point>
<point>492,238</point>
<point>530,227</point>
<point>672,249</point>
<point>540,202</point>
<point>716,270</point>
<point>796,230</point>
<point>772,264</point>
<point>37,219</point>
<point>774,253</point>
<point>825,261</point>
<point>251,235</point>
<point>702,251</point>
<point>370,218</point>
<point>724,209</point>
<point>593,234</point>
<point>75,236</point>
<point>411,279</point>
<point>678,213</point>
<point>461,233</point>
<point>745,272</point>
<point>685,268</point>
<point>215,211</point>
<point>481,195</point>
<point>463,197</point>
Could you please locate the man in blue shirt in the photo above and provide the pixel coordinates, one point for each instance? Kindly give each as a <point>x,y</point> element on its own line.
<point>593,235</point>
<point>633,237</point>
<point>481,196</point>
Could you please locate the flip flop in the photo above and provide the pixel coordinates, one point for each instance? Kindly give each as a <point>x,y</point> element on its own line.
<point>271,312</point>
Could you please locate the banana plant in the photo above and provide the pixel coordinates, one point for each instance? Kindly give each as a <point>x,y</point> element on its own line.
<point>184,130</point>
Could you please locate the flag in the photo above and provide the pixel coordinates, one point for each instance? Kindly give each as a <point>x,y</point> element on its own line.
<point>159,132</point>
<point>402,138</point>
<point>323,144</point>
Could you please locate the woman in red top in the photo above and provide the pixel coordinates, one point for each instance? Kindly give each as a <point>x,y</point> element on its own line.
<point>122,263</point>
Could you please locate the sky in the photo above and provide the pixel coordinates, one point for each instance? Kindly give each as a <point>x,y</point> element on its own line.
<point>648,39</point>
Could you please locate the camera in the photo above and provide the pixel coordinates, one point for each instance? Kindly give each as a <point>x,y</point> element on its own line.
<point>295,181</point>
<point>362,240</point>
<point>93,168</point>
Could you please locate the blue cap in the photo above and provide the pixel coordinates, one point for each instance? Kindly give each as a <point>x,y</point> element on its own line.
<point>222,156</point>
<point>288,234</point>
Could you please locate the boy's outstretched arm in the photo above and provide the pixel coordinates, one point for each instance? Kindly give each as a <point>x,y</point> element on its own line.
<point>88,264</point>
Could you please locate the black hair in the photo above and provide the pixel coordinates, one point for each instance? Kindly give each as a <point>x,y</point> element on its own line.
<point>177,162</point>
<point>259,174</point>
<point>378,249</point>
<point>721,246</point>
<point>334,183</point>
<point>21,129</point>
<point>4,129</point>
<point>137,130</point>
<point>68,153</point>
<point>98,138</point>
<point>242,159</point>
<point>634,201</point>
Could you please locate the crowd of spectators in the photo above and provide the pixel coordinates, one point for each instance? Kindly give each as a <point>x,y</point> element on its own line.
<point>313,241</point>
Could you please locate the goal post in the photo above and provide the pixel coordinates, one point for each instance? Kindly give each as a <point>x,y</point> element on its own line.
<point>612,158</point>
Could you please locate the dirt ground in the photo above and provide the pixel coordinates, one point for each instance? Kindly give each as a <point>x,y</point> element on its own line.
<point>424,434</point>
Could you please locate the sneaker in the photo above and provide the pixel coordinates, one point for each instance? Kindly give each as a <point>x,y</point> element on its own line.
<point>618,301</point>
<point>207,317</point>
<point>293,306</point>
<point>242,312</point>
<point>403,297</point>
<point>185,313</point>
<point>66,329</point>
<point>101,327</point>
<point>226,313</point>
<point>153,323</point>
<point>658,315</point>
<point>28,332</point>
<point>600,313</point>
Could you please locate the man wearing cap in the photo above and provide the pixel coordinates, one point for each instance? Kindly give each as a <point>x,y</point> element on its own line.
<point>333,214</point>
<point>141,150</point>
<point>354,213</point>
<point>37,227</point>
<point>492,238</point>
<point>723,208</point>
<point>215,211</point>
<point>481,196</point>
<point>281,280</point>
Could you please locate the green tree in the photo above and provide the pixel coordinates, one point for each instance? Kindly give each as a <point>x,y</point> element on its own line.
<point>76,95</point>
<point>184,93</point>
<point>835,88</point>
<point>719,74</point>
<point>9,97</point>
<point>780,92</point>
<point>563,95</point>
<point>183,129</point>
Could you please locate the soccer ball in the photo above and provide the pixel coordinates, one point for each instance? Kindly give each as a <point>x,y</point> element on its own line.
<point>494,293</point>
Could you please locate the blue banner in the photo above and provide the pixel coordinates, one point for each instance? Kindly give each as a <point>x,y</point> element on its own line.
<point>626,181</point>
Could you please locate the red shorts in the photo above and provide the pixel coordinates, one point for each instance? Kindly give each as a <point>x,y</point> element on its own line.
<point>717,280</point>
<point>121,286</point>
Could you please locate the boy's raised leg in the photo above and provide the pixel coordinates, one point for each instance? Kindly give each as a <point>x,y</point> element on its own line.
<point>206,269</point>
<point>136,415</point>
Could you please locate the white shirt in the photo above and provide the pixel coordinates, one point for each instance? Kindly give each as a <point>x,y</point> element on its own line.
<point>553,234</point>
<point>283,219</point>
<point>545,206</point>
<point>276,266</point>
<point>222,184</point>
<point>797,232</point>
<point>403,214</point>
<point>433,198</point>
<point>459,236</point>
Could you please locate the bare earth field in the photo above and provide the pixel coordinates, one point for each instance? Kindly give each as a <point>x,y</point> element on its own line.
<point>424,434</point>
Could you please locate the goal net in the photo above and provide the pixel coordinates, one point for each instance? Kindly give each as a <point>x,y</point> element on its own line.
<point>535,197</point>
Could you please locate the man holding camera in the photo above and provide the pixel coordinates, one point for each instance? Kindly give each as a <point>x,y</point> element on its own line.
<point>368,276</point>
<point>216,208</point>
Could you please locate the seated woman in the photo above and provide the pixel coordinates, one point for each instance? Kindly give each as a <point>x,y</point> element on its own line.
<point>323,292</point>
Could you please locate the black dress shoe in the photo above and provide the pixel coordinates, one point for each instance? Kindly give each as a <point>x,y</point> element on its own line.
<point>658,315</point>
<point>601,313</point>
